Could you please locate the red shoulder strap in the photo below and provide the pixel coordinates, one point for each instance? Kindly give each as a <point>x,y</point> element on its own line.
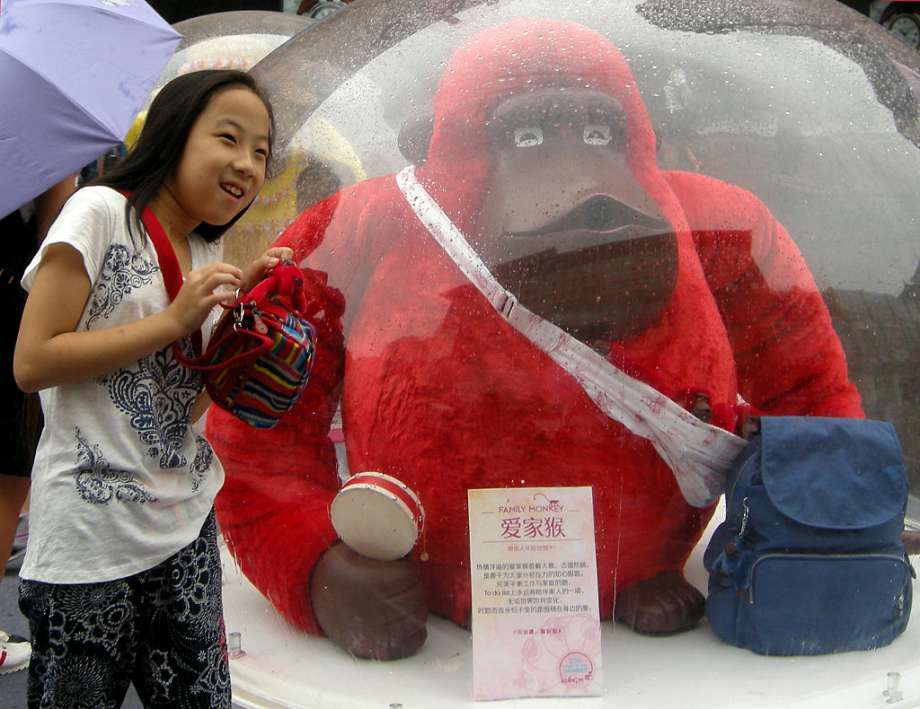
<point>169,264</point>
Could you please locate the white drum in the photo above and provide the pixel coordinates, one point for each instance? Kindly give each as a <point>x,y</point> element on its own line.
<point>377,516</point>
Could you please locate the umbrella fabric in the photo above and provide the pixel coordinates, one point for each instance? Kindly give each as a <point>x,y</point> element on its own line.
<point>73,74</point>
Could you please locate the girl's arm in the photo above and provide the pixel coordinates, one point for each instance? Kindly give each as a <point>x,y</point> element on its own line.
<point>49,352</point>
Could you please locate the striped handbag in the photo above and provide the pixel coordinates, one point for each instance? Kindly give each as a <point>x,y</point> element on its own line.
<point>260,355</point>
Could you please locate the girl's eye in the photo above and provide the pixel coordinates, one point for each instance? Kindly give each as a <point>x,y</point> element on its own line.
<point>262,153</point>
<point>228,137</point>
<point>528,136</point>
<point>596,134</point>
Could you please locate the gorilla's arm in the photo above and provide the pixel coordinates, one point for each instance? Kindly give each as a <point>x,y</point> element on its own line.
<point>789,359</point>
<point>274,506</point>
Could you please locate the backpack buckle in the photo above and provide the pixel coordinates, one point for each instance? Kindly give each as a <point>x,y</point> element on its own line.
<point>504,303</point>
<point>745,514</point>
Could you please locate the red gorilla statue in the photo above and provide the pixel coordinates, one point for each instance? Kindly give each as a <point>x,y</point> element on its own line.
<point>542,157</point>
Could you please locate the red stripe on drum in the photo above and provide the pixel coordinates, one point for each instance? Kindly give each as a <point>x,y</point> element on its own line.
<point>403,494</point>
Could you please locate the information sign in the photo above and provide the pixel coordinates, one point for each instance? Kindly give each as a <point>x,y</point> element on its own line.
<point>536,627</point>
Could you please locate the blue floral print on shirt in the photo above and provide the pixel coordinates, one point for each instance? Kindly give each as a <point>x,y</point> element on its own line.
<point>158,395</point>
<point>123,270</point>
<point>97,482</point>
<point>202,462</point>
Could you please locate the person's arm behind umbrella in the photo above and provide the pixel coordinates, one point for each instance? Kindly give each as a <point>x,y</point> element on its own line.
<point>48,204</point>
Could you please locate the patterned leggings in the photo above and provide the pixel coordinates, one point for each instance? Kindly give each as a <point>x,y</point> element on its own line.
<point>161,629</point>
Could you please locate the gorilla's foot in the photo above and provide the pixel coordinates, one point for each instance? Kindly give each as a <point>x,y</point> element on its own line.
<point>371,609</point>
<point>911,540</point>
<point>662,605</point>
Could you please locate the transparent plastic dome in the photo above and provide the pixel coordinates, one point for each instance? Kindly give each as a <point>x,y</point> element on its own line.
<point>549,212</point>
<point>230,40</point>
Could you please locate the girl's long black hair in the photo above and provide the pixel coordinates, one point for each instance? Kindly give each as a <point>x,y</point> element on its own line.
<point>159,148</point>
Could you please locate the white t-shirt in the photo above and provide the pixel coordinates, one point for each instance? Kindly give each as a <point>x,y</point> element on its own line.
<point>121,481</point>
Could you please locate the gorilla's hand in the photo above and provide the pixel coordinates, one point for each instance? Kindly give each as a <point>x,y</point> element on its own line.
<point>372,609</point>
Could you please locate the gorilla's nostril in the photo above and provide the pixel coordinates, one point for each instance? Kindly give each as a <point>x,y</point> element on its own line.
<point>598,214</point>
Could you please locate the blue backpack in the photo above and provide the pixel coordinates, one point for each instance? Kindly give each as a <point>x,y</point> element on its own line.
<point>809,559</point>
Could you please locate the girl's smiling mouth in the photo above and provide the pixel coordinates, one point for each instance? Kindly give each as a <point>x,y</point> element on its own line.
<point>233,190</point>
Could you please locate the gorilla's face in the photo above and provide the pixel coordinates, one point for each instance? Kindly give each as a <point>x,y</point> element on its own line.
<point>565,225</point>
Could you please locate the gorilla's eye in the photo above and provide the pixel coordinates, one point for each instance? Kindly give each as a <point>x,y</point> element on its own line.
<point>528,136</point>
<point>597,134</point>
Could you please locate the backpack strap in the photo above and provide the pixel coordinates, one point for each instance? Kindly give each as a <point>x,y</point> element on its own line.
<point>169,267</point>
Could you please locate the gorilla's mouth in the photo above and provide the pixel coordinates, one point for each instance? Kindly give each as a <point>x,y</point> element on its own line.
<point>602,216</point>
<point>603,271</point>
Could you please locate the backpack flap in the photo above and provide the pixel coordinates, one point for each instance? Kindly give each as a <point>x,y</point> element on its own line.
<point>834,474</point>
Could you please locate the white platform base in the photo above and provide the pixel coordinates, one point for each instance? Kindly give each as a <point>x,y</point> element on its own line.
<point>283,667</point>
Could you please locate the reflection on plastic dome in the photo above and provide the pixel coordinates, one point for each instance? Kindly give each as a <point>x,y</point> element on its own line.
<point>573,205</point>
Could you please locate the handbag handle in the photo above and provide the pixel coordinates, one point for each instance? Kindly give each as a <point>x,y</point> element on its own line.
<point>197,363</point>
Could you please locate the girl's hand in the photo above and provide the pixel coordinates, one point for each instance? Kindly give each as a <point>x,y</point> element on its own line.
<point>256,271</point>
<point>202,290</point>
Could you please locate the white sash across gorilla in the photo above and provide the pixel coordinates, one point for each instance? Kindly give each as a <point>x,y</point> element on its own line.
<point>698,454</point>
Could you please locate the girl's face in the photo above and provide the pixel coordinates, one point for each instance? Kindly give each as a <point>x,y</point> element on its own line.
<point>223,164</point>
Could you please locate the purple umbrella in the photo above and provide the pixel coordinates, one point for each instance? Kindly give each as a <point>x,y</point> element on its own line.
<point>73,73</point>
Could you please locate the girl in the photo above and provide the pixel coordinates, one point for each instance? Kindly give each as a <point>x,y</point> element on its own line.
<point>121,580</point>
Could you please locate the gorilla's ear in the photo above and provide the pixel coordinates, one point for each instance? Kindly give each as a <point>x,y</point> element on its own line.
<point>320,179</point>
<point>414,136</point>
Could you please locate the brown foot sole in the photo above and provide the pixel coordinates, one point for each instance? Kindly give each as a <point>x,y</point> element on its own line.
<point>911,541</point>
<point>662,605</point>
